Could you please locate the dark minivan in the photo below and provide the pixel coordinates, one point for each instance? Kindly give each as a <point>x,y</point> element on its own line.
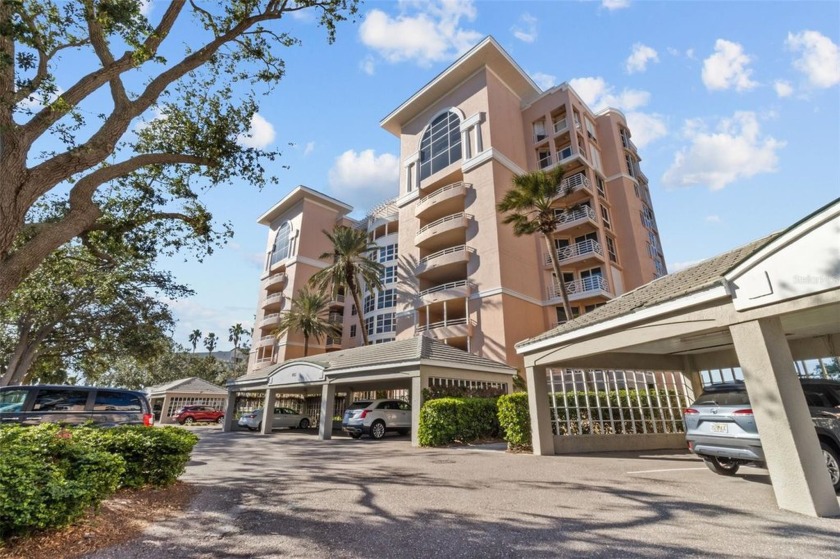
<point>73,405</point>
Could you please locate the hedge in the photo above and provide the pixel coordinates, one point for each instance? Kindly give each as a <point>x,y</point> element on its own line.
<point>50,475</point>
<point>515,420</point>
<point>448,420</point>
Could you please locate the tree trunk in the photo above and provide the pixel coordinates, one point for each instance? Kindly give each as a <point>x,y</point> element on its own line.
<point>305,345</point>
<point>552,254</point>
<point>360,315</point>
<point>24,354</point>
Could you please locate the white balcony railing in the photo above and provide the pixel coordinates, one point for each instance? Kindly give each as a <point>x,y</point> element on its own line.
<point>575,182</point>
<point>561,125</point>
<point>571,216</point>
<point>450,250</point>
<point>270,319</point>
<point>444,287</point>
<point>276,279</point>
<point>577,287</point>
<point>459,215</point>
<point>441,324</point>
<point>263,360</point>
<point>273,299</point>
<point>440,191</point>
<point>582,248</point>
<point>331,341</point>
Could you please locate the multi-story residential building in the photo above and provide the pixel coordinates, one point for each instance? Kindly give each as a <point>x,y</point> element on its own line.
<point>461,274</point>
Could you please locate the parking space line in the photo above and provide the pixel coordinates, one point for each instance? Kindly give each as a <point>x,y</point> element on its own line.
<point>666,470</point>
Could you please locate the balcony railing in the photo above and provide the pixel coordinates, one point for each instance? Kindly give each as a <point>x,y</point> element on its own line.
<point>441,324</point>
<point>561,125</point>
<point>276,279</point>
<point>575,182</point>
<point>582,248</point>
<point>273,299</point>
<point>571,216</point>
<point>577,287</point>
<point>331,341</point>
<point>440,191</point>
<point>450,250</point>
<point>444,287</point>
<point>459,215</point>
<point>338,299</point>
<point>270,319</point>
<point>267,341</point>
<point>263,361</point>
<point>336,317</point>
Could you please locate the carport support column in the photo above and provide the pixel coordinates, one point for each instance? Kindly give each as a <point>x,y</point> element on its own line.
<point>794,459</point>
<point>230,410</point>
<point>327,412</point>
<point>268,410</point>
<point>542,440</point>
<point>416,404</point>
<point>164,410</point>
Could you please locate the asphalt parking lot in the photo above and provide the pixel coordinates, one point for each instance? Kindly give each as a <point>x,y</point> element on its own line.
<point>290,495</point>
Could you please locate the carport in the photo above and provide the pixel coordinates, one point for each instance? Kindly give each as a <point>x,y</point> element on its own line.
<point>412,364</point>
<point>189,391</point>
<point>758,307</point>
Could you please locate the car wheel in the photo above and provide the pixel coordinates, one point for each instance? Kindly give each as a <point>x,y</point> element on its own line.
<point>189,421</point>
<point>304,423</point>
<point>832,462</point>
<point>377,430</point>
<point>251,428</point>
<point>220,420</point>
<point>722,466</point>
<point>356,435</point>
<point>403,431</point>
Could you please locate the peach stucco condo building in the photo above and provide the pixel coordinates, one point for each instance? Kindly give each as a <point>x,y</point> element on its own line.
<point>453,270</point>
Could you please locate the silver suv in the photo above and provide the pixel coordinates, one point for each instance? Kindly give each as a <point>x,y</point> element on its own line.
<point>375,418</point>
<point>720,427</point>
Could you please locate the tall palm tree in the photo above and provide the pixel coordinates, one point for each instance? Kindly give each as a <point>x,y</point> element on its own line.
<point>530,206</point>
<point>195,337</point>
<point>352,266</point>
<point>308,315</point>
<point>237,332</point>
<point>210,342</point>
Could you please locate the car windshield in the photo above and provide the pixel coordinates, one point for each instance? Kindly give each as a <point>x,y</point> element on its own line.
<point>723,398</point>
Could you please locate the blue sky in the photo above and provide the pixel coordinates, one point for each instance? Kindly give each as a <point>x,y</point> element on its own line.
<point>734,106</point>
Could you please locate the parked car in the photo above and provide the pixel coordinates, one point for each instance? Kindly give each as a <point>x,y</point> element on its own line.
<point>73,405</point>
<point>720,427</point>
<point>198,414</point>
<point>283,417</point>
<point>375,418</point>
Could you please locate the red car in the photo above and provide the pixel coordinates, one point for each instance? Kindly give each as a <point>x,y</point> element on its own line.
<point>196,414</point>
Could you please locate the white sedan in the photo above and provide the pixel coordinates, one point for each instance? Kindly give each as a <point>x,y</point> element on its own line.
<point>283,417</point>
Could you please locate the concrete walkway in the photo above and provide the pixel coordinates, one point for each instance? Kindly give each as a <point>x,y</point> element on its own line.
<point>289,495</point>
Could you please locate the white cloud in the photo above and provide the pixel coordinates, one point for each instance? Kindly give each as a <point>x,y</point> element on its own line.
<point>819,57</point>
<point>526,30</point>
<point>310,147</point>
<point>728,67</point>
<point>146,7</point>
<point>260,135</point>
<point>735,150</point>
<point>368,65</point>
<point>689,54</point>
<point>783,88</point>
<point>639,58</point>
<point>423,32</point>
<point>364,178</point>
<point>714,218</point>
<point>645,127</point>
<point>545,81</point>
<point>679,266</point>
<point>38,100</point>
<point>615,4</point>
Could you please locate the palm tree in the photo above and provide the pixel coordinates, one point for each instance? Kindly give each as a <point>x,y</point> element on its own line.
<point>210,342</point>
<point>530,206</point>
<point>308,315</point>
<point>351,267</point>
<point>195,337</point>
<point>236,334</point>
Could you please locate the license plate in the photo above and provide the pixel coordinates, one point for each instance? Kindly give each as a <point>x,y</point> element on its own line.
<point>720,428</point>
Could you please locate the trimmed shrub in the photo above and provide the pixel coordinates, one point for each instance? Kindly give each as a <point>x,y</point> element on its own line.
<point>448,420</point>
<point>49,478</point>
<point>152,456</point>
<point>515,420</point>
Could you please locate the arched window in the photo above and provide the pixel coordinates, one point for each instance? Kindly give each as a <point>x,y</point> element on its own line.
<point>441,144</point>
<point>282,243</point>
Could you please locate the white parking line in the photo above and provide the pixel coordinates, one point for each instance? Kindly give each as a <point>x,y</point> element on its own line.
<point>666,470</point>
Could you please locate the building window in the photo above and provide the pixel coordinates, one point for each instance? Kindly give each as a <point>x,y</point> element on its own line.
<point>631,167</point>
<point>441,144</point>
<point>625,137</point>
<point>539,130</point>
<point>353,310</point>
<point>636,189</point>
<point>596,159</point>
<point>282,243</point>
<point>352,330</point>
<point>611,250</point>
<point>388,275</point>
<point>543,158</point>
<point>592,279</point>
<point>385,323</point>
<point>386,298</point>
<point>660,268</point>
<point>370,303</point>
<point>605,217</point>
<point>561,313</point>
<point>565,153</point>
<point>602,191</point>
<point>387,253</point>
<point>590,308</point>
<point>590,129</point>
<point>369,322</point>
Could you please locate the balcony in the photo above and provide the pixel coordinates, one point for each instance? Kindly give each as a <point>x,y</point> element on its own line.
<point>454,255</point>
<point>262,362</point>
<point>336,317</point>
<point>270,320</point>
<point>445,229</point>
<point>561,125</point>
<point>578,181</point>
<point>266,341</point>
<point>332,343</point>
<point>453,328</point>
<point>593,286</point>
<point>274,301</point>
<point>578,252</point>
<point>444,200</point>
<point>451,290</point>
<point>275,281</point>
<point>573,218</point>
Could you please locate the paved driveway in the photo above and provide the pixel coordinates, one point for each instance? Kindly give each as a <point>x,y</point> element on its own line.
<point>289,495</point>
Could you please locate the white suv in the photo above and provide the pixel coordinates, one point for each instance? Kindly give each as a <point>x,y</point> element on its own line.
<point>374,418</point>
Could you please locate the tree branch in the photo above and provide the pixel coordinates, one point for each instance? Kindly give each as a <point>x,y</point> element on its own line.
<point>100,47</point>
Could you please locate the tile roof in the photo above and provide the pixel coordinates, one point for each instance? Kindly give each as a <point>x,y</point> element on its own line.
<point>190,384</point>
<point>401,351</point>
<point>697,278</point>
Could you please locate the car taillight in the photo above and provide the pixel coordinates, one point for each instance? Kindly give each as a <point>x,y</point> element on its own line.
<point>363,414</point>
<point>691,411</point>
<point>742,412</point>
<point>148,419</point>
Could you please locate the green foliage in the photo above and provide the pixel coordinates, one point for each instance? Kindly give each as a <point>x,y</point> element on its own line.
<point>435,392</point>
<point>152,456</point>
<point>624,411</point>
<point>308,316</point>
<point>515,420</point>
<point>49,478</point>
<point>448,420</point>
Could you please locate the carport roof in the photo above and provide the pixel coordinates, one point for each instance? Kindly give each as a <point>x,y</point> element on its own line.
<point>416,349</point>
<point>704,275</point>
<point>189,384</point>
